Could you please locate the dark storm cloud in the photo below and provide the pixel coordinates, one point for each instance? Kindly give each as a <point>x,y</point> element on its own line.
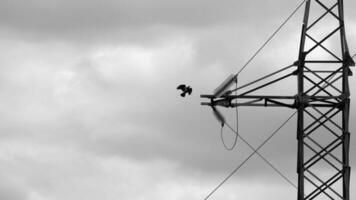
<point>94,18</point>
<point>93,13</point>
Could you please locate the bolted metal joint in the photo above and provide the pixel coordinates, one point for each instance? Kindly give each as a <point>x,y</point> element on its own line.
<point>344,100</point>
<point>301,100</point>
<point>225,102</point>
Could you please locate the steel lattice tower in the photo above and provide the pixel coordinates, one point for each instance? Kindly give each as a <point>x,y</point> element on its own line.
<point>323,138</point>
<point>322,102</point>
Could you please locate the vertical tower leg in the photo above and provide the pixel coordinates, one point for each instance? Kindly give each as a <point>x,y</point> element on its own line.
<point>323,133</point>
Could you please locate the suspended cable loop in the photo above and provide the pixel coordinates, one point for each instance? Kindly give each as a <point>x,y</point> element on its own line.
<point>236,133</point>
<point>223,141</point>
<point>253,153</point>
<point>236,109</point>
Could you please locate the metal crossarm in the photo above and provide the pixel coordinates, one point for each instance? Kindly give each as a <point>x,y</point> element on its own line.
<point>322,102</point>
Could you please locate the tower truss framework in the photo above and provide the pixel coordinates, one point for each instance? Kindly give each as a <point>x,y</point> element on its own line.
<point>322,102</point>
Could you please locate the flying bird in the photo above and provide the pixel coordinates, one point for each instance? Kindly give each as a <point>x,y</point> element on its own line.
<point>185,89</point>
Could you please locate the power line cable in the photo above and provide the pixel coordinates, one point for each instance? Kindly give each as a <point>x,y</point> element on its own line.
<point>223,141</point>
<point>253,153</point>
<point>262,78</point>
<point>236,132</point>
<point>268,162</point>
<point>256,151</point>
<point>237,126</point>
<point>236,109</point>
<point>271,37</point>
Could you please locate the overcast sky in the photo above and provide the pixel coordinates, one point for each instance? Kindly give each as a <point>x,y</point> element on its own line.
<point>89,108</point>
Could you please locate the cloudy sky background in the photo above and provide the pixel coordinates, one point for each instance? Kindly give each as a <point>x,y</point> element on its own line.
<point>89,108</point>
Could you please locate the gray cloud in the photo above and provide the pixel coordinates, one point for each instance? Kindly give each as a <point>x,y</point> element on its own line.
<point>124,20</point>
<point>93,83</point>
<point>10,190</point>
<point>95,14</point>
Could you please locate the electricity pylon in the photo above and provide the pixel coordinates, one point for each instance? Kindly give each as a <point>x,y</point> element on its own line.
<point>322,102</point>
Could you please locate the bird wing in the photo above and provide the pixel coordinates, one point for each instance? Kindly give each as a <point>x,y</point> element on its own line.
<point>181,87</point>
<point>189,90</point>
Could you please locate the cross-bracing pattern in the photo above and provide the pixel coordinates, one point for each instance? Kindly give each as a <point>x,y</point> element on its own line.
<point>322,102</point>
<point>323,133</point>
<point>323,146</point>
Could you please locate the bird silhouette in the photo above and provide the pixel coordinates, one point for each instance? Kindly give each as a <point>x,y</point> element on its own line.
<point>185,89</point>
